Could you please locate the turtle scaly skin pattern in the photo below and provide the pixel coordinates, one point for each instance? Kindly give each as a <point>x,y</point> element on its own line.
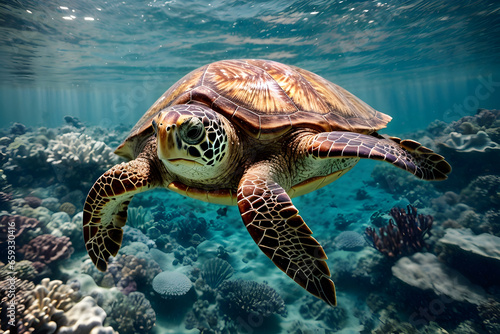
<point>251,133</point>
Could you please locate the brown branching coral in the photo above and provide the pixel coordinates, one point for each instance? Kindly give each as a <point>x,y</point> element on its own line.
<point>46,249</point>
<point>17,223</point>
<point>404,237</point>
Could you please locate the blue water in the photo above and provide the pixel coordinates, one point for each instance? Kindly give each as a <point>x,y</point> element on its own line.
<point>106,63</point>
<point>110,60</point>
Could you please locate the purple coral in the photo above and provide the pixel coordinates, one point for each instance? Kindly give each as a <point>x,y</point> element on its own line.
<point>12,227</point>
<point>20,224</point>
<point>126,272</point>
<point>45,249</point>
<point>404,237</point>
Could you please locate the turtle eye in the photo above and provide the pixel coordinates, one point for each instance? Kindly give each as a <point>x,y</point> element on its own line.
<point>192,131</point>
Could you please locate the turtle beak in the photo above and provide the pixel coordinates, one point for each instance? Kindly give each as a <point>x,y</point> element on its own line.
<point>168,141</point>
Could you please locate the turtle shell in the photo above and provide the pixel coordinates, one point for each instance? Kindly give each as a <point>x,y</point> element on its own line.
<point>265,99</point>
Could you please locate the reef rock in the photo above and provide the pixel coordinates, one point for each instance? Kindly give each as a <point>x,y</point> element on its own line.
<point>476,256</point>
<point>425,272</point>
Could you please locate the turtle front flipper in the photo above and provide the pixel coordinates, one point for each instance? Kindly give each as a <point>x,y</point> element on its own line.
<point>105,209</point>
<point>405,154</point>
<point>276,226</point>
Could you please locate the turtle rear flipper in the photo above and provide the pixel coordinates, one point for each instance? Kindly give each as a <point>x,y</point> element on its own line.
<point>405,154</point>
<point>281,233</point>
<point>105,209</point>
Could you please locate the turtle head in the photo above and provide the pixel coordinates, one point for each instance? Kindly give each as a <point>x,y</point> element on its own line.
<point>191,139</point>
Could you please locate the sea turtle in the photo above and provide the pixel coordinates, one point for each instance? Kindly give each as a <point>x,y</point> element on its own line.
<point>252,133</point>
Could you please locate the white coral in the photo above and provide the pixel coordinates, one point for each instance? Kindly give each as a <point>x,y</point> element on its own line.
<point>77,158</point>
<point>79,149</point>
<point>51,308</point>
<point>85,317</point>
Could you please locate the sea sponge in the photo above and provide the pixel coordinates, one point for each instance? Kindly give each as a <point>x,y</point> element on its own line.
<point>171,284</point>
<point>243,298</point>
<point>215,271</point>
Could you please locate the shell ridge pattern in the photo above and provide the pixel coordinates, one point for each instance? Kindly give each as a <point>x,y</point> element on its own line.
<point>280,87</point>
<point>306,82</point>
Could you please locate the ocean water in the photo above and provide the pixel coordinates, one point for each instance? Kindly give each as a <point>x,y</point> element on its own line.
<point>76,77</point>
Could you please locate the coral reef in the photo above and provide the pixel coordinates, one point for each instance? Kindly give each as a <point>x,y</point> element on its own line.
<point>349,240</point>
<point>137,217</point>
<point>332,318</point>
<point>131,235</point>
<point>130,314</point>
<point>5,199</point>
<point>33,201</point>
<point>402,184</point>
<point>478,142</point>
<point>244,298</point>
<point>26,160</point>
<point>469,145</point>
<point>126,272</point>
<point>52,307</point>
<point>19,225</point>
<point>406,236</point>
<point>46,249</point>
<point>78,159</point>
<point>68,208</point>
<point>482,193</point>
<point>61,224</point>
<point>171,284</point>
<point>74,121</point>
<point>13,291</point>
<point>489,313</point>
<point>215,271</point>
<point>191,231</point>
<point>203,318</point>
<point>23,269</point>
<point>46,173</point>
